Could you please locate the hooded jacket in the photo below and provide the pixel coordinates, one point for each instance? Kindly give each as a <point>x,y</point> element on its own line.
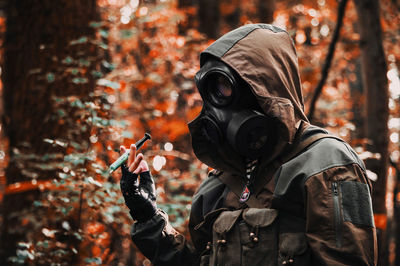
<point>324,186</point>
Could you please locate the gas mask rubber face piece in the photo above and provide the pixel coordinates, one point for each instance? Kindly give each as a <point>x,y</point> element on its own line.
<point>231,127</point>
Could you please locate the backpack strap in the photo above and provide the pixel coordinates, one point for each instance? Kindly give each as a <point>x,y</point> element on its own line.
<point>236,183</point>
<point>300,147</point>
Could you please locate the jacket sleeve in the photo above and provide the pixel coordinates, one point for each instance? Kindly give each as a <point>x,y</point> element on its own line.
<point>161,243</point>
<point>339,219</point>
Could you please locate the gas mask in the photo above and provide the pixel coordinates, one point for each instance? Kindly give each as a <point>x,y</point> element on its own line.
<point>231,128</point>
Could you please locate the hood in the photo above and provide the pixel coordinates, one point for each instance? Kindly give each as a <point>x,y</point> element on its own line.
<point>265,57</point>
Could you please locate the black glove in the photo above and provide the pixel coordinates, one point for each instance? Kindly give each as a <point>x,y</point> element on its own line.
<point>140,197</point>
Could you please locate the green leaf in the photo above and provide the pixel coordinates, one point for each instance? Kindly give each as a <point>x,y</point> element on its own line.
<point>24,254</point>
<point>103,45</point>
<point>75,144</point>
<point>115,208</point>
<point>74,71</point>
<point>83,39</point>
<point>68,60</point>
<point>65,199</point>
<point>61,113</point>
<point>37,203</point>
<point>63,175</point>
<point>127,134</point>
<point>78,236</point>
<point>74,159</point>
<point>66,210</point>
<point>48,140</point>
<point>50,77</point>
<point>44,244</point>
<point>127,34</point>
<point>96,24</point>
<point>108,83</point>
<point>84,62</point>
<point>93,260</point>
<point>103,33</point>
<point>77,103</point>
<point>108,65</point>
<point>92,181</point>
<point>80,80</point>
<point>90,203</point>
<point>96,74</point>
<point>24,245</point>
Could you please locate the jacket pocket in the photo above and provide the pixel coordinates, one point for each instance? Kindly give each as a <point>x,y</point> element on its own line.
<point>337,213</point>
<point>259,237</point>
<point>226,240</point>
<point>356,203</point>
<point>245,237</point>
<point>293,249</point>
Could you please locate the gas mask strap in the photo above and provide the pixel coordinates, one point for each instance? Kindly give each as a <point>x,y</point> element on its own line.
<point>250,170</point>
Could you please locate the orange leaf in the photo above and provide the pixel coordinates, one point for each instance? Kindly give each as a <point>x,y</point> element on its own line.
<point>96,251</point>
<point>380,220</point>
<point>193,112</point>
<point>154,53</point>
<point>176,129</point>
<point>95,228</point>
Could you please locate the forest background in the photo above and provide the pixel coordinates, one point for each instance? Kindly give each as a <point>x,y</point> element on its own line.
<point>80,78</point>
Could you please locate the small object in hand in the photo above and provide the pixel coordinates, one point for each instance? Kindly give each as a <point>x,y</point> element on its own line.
<point>122,159</point>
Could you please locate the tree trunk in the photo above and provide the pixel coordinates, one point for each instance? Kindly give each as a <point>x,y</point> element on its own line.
<point>266,10</point>
<point>209,18</point>
<point>49,53</point>
<point>232,18</point>
<point>396,218</point>
<point>190,20</point>
<point>357,108</point>
<point>375,82</point>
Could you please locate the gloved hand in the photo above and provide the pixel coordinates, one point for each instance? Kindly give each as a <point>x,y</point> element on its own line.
<point>139,194</point>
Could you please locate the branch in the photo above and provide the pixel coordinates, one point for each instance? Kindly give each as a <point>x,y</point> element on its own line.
<point>328,60</point>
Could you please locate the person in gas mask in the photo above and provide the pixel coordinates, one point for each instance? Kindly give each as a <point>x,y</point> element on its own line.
<point>282,191</point>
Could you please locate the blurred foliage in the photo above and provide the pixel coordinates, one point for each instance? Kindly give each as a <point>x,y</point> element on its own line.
<point>146,85</point>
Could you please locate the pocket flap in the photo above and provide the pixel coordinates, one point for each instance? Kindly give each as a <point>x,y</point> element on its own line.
<point>259,217</point>
<point>226,220</point>
<point>209,218</point>
<point>292,244</point>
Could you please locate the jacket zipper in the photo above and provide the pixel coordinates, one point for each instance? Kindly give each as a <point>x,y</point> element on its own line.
<point>337,213</point>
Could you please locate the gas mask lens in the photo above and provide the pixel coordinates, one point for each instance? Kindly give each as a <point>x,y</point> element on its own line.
<point>220,89</point>
<point>224,88</point>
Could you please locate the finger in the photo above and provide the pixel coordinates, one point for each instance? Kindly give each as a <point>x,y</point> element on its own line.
<point>145,166</point>
<point>132,154</point>
<point>138,170</point>
<point>135,164</point>
<point>122,150</point>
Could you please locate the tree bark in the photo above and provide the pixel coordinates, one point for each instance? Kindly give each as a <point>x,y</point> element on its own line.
<point>357,108</point>
<point>374,69</point>
<point>209,18</point>
<point>266,10</point>
<point>49,52</point>
<point>328,60</point>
